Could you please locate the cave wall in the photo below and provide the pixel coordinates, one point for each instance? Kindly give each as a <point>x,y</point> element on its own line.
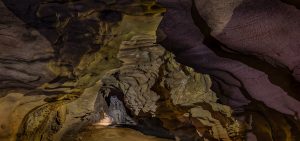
<point>250,50</point>
<point>53,56</point>
<point>207,70</point>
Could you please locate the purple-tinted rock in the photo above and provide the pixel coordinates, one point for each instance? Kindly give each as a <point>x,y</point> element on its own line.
<point>186,40</point>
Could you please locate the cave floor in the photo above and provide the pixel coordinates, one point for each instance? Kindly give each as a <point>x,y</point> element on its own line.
<point>101,133</point>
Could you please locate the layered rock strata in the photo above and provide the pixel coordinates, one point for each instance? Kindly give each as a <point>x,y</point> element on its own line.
<point>153,82</point>
<point>248,51</point>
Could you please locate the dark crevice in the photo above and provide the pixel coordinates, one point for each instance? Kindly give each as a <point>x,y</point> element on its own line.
<point>295,128</point>
<point>145,124</point>
<point>295,3</point>
<point>20,60</point>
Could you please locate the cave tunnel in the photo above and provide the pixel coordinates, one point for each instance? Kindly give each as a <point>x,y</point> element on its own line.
<point>149,70</point>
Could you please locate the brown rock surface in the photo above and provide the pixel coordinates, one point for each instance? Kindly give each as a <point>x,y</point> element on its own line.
<point>153,82</point>
<point>114,134</point>
<point>24,54</point>
<point>61,59</point>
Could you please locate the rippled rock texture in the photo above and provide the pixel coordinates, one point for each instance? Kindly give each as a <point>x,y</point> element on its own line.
<point>250,49</point>
<point>24,53</point>
<point>153,82</point>
<point>185,69</point>
<point>53,54</point>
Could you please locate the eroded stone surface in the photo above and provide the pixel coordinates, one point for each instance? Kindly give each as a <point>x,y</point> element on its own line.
<point>63,67</point>
<point>59,50</point>
<point>263,80</point>
<point>147,68</point>
<point>217,13</point>
<point>24,53</point>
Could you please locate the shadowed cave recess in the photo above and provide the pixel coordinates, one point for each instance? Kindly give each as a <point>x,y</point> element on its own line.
<point>149,70</point>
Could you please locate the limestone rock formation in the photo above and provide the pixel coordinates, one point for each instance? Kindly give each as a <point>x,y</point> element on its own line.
<point>148,69</point>
<point>117,112</point>
<point>53,55</point>
<point>216,70</point>
<point>248,53</point>
<point>24,55</point>
<point>138,73</point>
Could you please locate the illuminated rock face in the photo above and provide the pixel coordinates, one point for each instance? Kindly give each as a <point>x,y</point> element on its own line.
<point>117,112</point>
<point>222,79</point>
<point>141,61</point>
<point>51,80</point>
<point>153,82</point>
<point>116,134</point>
